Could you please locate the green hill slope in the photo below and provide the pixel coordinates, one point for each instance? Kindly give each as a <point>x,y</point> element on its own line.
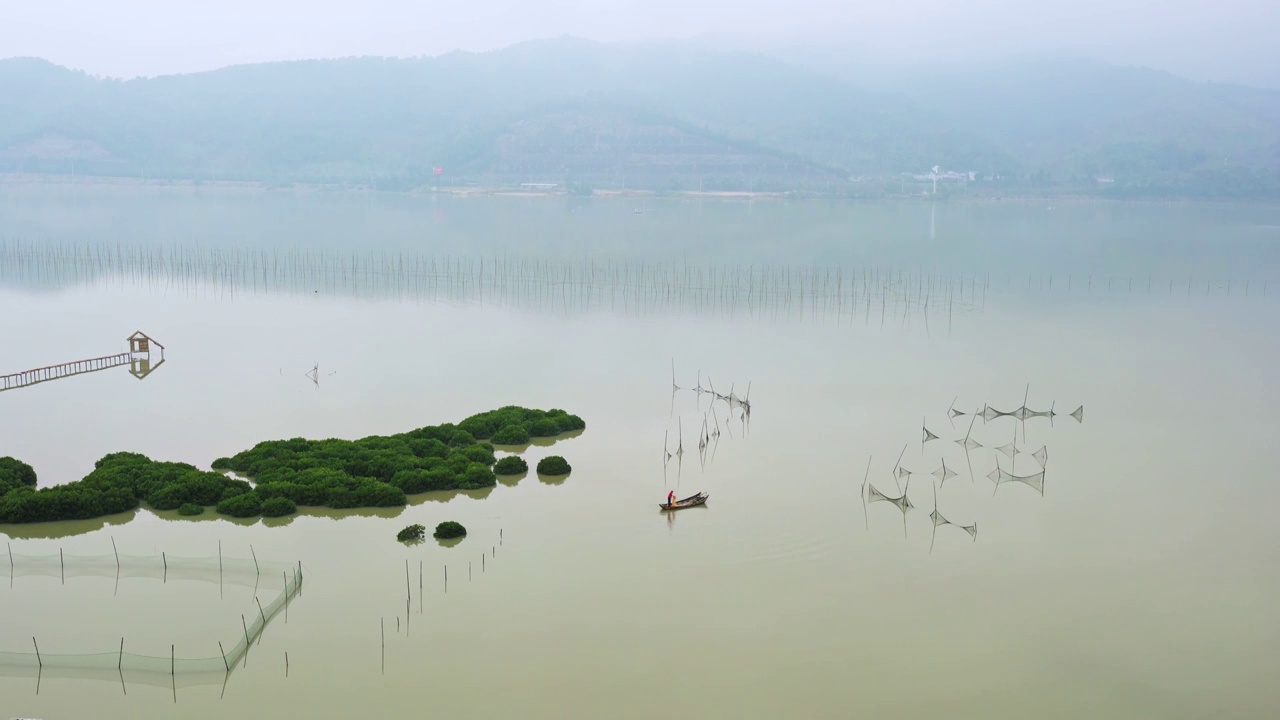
<point>1145,129</point>
<point>668,115</point>
<point>388,120</point>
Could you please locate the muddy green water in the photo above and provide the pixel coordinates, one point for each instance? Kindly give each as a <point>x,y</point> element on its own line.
<point>1142,583</point>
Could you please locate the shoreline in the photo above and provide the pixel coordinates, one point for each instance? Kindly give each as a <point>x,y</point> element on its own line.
<point>16,180</point>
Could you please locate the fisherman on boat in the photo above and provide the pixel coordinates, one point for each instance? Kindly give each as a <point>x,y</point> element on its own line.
<point>671,498</point>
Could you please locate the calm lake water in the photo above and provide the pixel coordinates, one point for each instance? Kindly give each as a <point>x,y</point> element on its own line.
<point>1141,583</point>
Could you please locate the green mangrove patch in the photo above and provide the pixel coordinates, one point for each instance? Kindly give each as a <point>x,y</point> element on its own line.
<point>376,471</point>
<point>119,482</point>
<point>411,533</point>
<point>448,530</point>
<point>553,465</point>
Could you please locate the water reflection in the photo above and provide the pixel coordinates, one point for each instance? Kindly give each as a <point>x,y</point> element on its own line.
<point>552,479</point>
<point>512,480</point>
<point>65,528</point>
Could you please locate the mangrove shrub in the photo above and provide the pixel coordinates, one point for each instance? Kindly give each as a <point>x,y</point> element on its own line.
<point>512,435</point>
<point>241,506</point>
<point>278,507</point>
<point>14,474</point>
<point>511,465</point>
<point>449,529</point>
<point>190,509</point>
<point>553,465</point>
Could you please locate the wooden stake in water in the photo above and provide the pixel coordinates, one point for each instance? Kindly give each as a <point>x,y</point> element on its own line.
<point>117,552</point>
<point>245,625</point>
<point>255,561</point>
<point>120,662</point>
<point>408,594</point>
<point>63,564</point>
<point>286,663</point>
<point>224,656</point>
<point>172,661</point>
<point>264,620</point>
<point>165,560</point>
<point>38,660</point>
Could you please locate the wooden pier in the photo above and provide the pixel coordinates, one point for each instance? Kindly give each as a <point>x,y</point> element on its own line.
<point>138,359</point>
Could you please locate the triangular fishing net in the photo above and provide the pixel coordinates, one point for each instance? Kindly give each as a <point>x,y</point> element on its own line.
<point>927,436</point>
<point>902,502</point>
<point>1078,414</point>
<point>1000,477</point>
<point>944,473</point>
<point>939,520</point>
<point>989,413</point>
<point>1041,455</point>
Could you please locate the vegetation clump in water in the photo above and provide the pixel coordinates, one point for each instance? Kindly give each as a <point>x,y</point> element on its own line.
<point>412,532</point>
<point>553,465</point>
<point>511,465</point>
<point>376,471</point>
<point>189,509</point>
<point>448,530</point>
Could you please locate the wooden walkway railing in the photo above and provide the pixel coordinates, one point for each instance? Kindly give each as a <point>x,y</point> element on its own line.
<point>55,372</point>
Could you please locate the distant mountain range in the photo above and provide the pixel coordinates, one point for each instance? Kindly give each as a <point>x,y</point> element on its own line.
<point>654,116</point>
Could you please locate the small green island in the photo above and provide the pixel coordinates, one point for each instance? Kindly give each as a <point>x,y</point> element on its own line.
<point>553,465</point>
<point>448,530</point>
<point>376,471</point>
<point>411,533</point>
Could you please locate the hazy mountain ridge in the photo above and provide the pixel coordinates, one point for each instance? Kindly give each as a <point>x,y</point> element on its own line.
<point>669,115</point>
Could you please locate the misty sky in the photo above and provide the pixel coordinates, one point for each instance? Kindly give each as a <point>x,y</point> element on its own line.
<point>1225,39</point>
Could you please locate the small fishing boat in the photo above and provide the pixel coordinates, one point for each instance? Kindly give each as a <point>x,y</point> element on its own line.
<point>690,501</point>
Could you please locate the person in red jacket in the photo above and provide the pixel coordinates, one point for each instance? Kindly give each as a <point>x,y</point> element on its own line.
<point>671,498</point>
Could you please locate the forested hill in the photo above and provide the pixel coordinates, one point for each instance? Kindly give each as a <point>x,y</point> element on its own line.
<point>662,116</point>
